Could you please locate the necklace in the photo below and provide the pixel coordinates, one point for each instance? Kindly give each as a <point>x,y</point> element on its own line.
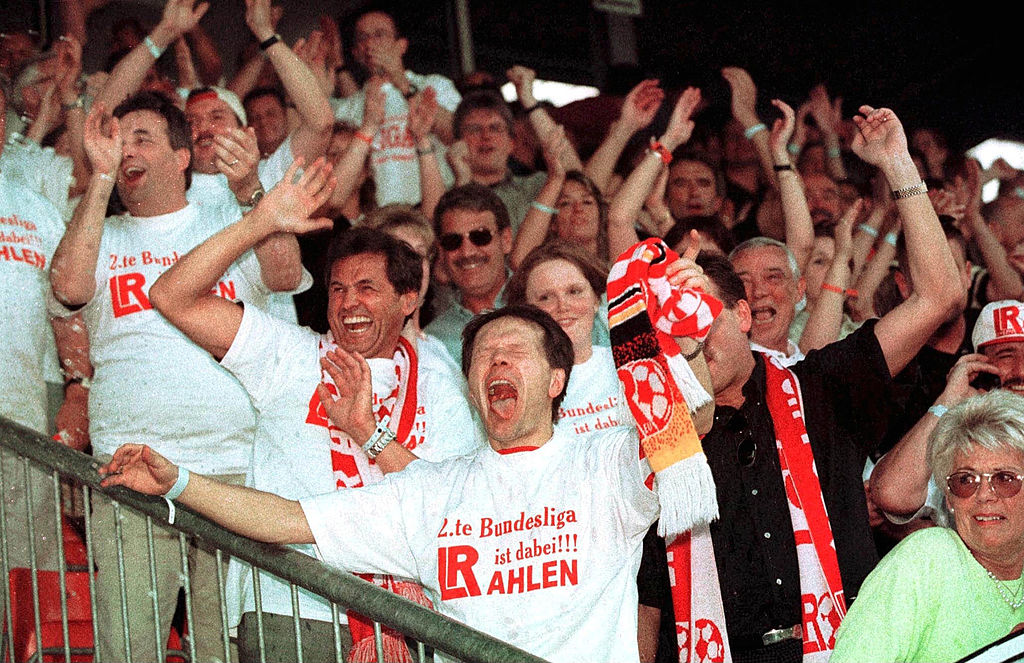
<point>1009,598</point>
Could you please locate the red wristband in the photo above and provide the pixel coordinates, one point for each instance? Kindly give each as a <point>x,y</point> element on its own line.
<point>661,151</point>
<point>363,137</point>
<point>836,289</point>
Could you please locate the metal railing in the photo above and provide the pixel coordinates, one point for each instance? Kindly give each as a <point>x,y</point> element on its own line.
<point>426,627</point>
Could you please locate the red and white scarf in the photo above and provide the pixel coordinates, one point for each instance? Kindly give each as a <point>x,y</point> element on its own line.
<point>696,595</point>
<point>645,314</point>
<point>353,469</point>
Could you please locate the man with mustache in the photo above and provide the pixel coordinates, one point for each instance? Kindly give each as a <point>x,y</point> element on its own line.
<point>901,484</point>
<point>822,197</point>
<point>475,235</point>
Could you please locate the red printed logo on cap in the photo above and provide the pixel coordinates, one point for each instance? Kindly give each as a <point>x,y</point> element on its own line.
<point>1006,321</point>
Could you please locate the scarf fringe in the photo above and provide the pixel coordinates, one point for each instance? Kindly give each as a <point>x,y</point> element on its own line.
<point>686,491</point>
<point>692,390</point>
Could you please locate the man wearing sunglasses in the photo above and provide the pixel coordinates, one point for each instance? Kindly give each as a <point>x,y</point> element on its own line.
<point>901,484</point>
<point>474,233</point>
<point>787,446</point>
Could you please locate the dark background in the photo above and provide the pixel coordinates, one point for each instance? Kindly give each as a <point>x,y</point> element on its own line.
<point>952,66</point>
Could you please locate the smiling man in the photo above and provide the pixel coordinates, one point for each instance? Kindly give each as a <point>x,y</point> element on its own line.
<point>457,527</point>
<point>774,290</point>
<point>474,232</point>
<point>373,283</point>
<point>149,382</point>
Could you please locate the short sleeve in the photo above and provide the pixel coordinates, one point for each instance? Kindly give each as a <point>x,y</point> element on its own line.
<point>362,530</point>
<point>263,351</point>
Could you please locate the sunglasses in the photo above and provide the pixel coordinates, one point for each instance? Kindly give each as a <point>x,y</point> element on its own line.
<point>479,237</point>
<point>964,484</point>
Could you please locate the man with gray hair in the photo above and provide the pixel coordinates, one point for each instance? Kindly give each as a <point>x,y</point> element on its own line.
<point>775,291</point>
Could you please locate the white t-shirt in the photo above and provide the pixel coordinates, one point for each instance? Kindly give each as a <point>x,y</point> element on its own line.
<point>594,401</point>
<point>211,191</point>
<point>539,548</point>
<point>279,365</point>
<point>40,169</point>
<point>152,384</point>
<point>395,163</point>
<point>30,229</point>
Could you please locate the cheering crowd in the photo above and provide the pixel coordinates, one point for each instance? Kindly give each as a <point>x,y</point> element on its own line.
<point>685,387</point>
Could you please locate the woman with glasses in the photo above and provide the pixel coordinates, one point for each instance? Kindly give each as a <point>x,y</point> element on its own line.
<point>944,593</point>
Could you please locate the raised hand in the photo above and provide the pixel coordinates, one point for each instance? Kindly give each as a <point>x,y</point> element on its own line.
<point>522,78</point>
<point>351,408</point>
<point>880,139</point>
<point>179,17</point>
<point>555,144</point>
<point>313,53</point>
<point>782,131</point>
<point>964,371</point>
<point>69,67</point>
<point>290,204</point>
<point>237,156</point>
<point>800,129</point>
<point>332,42</point>
<point>422,113</point>
<point>684,272</point>
<point>641,105</point>
<point>373,104</point>
<point>260,18</point>
<point>680,126</point>
<point>138,467</point>
<point>458,159</point>
<point>744,95</point>
<point>102,137</point>
<point>827,114</point>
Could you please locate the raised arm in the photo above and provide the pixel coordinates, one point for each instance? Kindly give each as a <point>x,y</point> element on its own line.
<point>828,116</point>
<point>352,162</point>
<point>72,420</point>
<point>825,321</point>
<point>1004,281</point>
<point>311,138</point>
<point>899,483</point>
<point>537,222</point>
<point>638,111</point>
<point>629,199</point>
<point>179,17</point>
<point>246,511</point>
<point>880,141</point>
<point>183,295</point>
<point>522,78</point>
<point>744,109</point>
<point>799,228</point>
<point>422,113</point>
<point>73,275</point>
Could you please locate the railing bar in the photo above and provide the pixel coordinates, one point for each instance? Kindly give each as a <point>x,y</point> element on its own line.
<point>218,558</point>
<point>61,567</point>
<point>5,560</point>
<point>186,581</point>
<point>34,569</point>
<point>87,505</point>
<point>257,595</point>
<point>154,590</point>
<point>336,625</point>
<point>420,623</point>
<point>378,641</point>
<point>421,651</point>
<point>119,543</point>
<point>297,624</point>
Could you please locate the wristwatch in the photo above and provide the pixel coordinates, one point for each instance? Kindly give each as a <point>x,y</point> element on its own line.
<point>254,199</point>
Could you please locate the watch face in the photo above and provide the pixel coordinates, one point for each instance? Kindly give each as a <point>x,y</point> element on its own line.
<point>256,197</point>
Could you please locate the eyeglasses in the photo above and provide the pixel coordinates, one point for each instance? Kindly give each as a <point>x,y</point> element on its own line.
<point>965,483</point>
<point>479,237</point>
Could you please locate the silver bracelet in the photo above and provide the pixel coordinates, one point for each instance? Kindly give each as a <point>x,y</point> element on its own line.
<point>382,437</point>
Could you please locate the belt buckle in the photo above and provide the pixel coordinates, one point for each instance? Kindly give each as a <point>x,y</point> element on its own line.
<point>777,635</point>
